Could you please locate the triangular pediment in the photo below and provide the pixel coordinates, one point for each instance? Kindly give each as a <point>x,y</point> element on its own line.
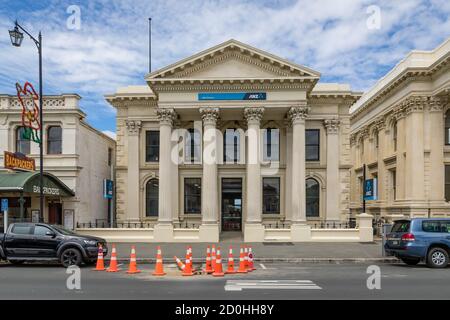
<point>232,59</point>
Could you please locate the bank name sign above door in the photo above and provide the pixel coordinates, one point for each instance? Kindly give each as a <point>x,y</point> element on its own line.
<point>235,96</point>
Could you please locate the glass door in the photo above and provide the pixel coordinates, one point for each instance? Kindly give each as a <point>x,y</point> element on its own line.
<point>231,204</point>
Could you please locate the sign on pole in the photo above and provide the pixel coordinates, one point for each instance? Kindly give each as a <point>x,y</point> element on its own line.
<point>4,208</point>
<point>4,205</point>
<point>107,189</point>
<point>370,189</point>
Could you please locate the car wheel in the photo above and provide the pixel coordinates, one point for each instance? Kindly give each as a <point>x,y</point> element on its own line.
<point>437,258</point>
<point>411,261</point>
<point>71,257</point>
<point>16,262</point>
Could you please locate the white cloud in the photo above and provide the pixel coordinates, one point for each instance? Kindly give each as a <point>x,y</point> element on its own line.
<point>110,134</point>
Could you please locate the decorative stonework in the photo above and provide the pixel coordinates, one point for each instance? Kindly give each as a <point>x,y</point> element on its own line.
<point>399,112</point>
<point>298,113</point>
<point>436,103</point>
<point>364,133</point>
<point>133,126</point>
<point>332,125</point>
<point>209,115</point>
<point>380,123</point>
<point>166,116</point>
<point>253,115</point>
<point>414,104</point>
<point>353,137</point>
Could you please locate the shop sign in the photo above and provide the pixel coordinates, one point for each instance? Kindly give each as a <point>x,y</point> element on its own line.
<point>18,161</point>
<point>232,96</point>
<point>47,190</point>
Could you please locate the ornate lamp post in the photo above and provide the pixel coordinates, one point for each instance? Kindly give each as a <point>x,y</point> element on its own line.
<point>16,40</point>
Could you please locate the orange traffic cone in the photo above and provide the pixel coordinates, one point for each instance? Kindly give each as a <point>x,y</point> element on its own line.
<point>246,257</point>
<point>187,267</point>
<point>100,263</point>
<point>242,268</point>
<point>218,272</point>
<point>133,264</point>
<point>113,263</point>
<point>213,257</point>
<point>159,268</point>
<point>230,262</point>
<point>208,268</point>
<point>251,266</point>
<point>180,264</point>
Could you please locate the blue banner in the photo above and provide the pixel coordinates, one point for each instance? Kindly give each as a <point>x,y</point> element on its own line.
<point>232,96</point>
<point>370,189</point>
<point>108,189</point>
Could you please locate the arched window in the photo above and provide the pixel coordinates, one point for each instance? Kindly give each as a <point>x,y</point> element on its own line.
<point>54,140</point>
<point>22,145</point>
<point>151,198</point>
<point>312,198</point>
<point>271,144</point>
<point>447,127</point>
<point>394,136</point>
<point>231,150</point>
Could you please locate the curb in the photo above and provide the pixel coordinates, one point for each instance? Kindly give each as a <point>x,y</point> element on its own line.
<point>288,260</point>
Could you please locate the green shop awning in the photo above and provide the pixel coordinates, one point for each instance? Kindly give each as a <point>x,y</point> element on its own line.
<point>28,182</point>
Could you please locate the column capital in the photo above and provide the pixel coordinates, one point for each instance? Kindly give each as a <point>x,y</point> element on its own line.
<point>436,103</point>
<point>380,123</point>
<point>414,104</point>
<point>253,114</point>
<point>133,126</point>
<point>332,125</point>
<point>166,116</point>
<point>209,115</point>
<point>297,114</point>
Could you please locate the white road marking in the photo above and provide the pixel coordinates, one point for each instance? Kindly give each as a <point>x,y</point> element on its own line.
<point>239,285</point>
<point>263,266</point>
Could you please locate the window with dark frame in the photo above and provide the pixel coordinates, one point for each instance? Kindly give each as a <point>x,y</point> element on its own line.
<point>152,146</point>
<point>110,155</point>
<point>22,145</point>
<point>193,146</point>
<point>54,140</point>
<point>192,195</point>
<point>394,184</point>
<point>394,136</point>
<point>151,198</point>
<point>271,195</point>
<point>231,146</point>
<point>312,144</point>
<point>271,145</point>
<point>447,182</point>
<point>312,198</point>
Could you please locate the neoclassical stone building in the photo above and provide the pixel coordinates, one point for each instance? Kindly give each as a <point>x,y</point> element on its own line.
<point>400,131</point>
<point>233,139</point>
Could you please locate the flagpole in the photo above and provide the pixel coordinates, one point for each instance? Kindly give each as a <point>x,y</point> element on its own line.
<point>149,45</point>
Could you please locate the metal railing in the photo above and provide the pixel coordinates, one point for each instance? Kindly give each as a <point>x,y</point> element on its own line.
<point>277,225</point>
<point>350,224</point>
<point>99,224</point>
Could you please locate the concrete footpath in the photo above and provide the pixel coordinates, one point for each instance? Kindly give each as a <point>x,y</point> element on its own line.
<point>263,252</point>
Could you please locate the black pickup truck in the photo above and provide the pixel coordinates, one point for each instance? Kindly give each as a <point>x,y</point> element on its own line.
<point>42,242</point>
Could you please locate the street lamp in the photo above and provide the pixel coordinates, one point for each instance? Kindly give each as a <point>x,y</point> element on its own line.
<point>16,40</point>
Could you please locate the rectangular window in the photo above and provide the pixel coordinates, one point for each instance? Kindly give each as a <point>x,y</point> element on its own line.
<point>54,140</point>
<point>152,146</point>
<point>192,195</point>
<point>312,144</point>
<point>110,155</point>
<point>193,146</point>
<point>394,184</point>
<point>271,144</point>
<point>231,146</point>
<point>447,183</point>
<point>271,195</point>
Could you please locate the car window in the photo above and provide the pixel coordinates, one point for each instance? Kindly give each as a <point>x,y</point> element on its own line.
<point>401,226</point>
<point>434,226</point>
<point>446,226</point>
<point>41,230</point>
<point>21,229</point>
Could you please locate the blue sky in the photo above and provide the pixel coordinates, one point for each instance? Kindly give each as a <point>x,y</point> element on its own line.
<point>110,48</point>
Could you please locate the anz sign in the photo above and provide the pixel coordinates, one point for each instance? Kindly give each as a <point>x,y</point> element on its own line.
<point>232,96</point>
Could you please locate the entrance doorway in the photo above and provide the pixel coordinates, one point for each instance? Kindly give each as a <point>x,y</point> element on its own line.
<point>231,204</point>
<point>55,213</point>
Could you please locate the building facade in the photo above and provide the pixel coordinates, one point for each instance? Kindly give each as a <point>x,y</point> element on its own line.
<point>400,132</point>
<point>233,139</point>
<point>77,158</point>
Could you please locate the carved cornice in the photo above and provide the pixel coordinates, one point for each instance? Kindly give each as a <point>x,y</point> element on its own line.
<point>133,126</point>
<point>209,115</point>
<point>297,114</point>
<point>437,103</point>
<point>332,125</point>
<point>166,116</point>
<point>253,115</point>
<point>414,104</point>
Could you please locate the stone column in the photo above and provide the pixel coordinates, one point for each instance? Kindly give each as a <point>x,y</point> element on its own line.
<point>333,182</point>
<point>133,128</point>
<point>164,229</point>
<point>253,230</point>
<point>415,160</point>
<point>382,172</point>
<point>437,169</point>
<point>209,230</point>
<point>400,169</point>
<point>300,231</point>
